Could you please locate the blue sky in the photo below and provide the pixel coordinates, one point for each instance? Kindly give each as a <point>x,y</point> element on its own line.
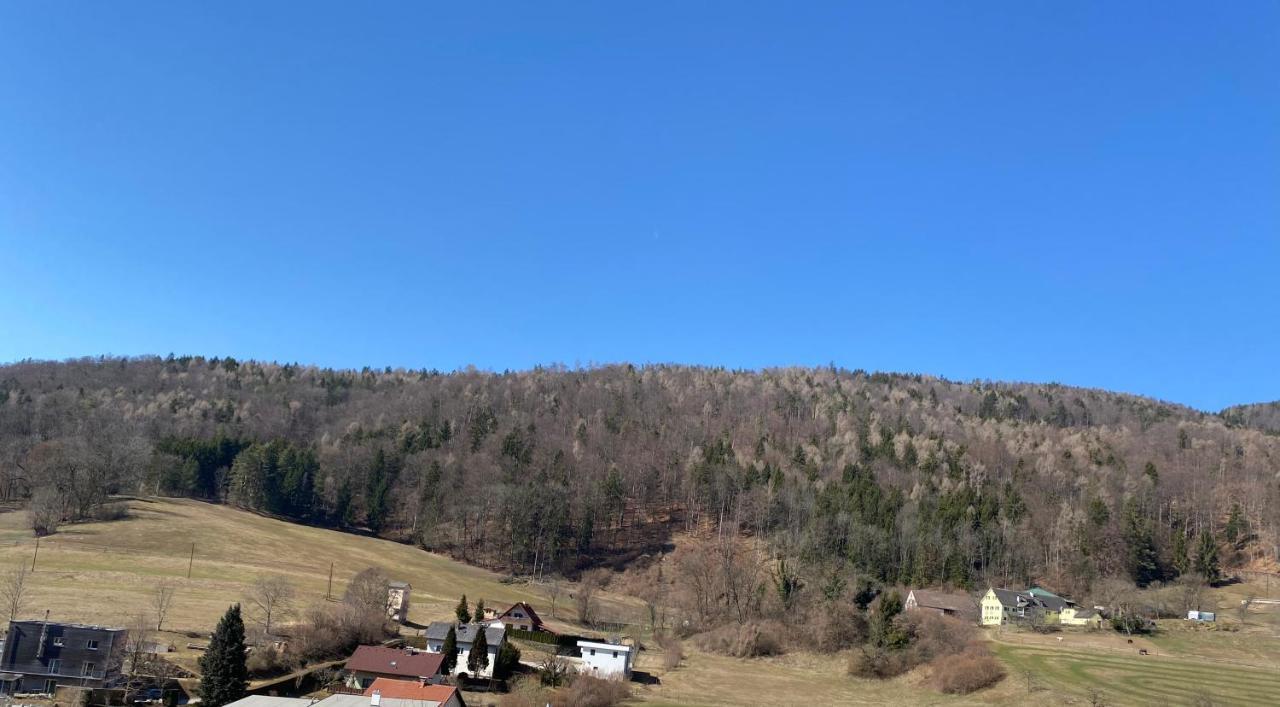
<point>1078,192</point>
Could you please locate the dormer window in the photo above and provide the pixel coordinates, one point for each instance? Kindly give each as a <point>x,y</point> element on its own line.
<point>57,641</point>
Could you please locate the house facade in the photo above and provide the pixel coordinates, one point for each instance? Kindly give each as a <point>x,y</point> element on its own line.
<point>495,634</point>
<point>521,617</point>
<point>398,601</point>
<point>606,660</point>
<point>368,663</point>
<point>41,656</point>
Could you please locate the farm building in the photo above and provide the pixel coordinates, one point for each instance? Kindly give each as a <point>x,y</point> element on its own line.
<point>945,603</point>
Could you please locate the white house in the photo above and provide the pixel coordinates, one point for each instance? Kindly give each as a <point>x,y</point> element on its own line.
<point>494,635</point>
<point>606,660</point>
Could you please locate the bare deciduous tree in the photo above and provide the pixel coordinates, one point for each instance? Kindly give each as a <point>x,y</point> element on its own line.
<point>367,591</point>
<point>554,589</point>
<point>13,589</point>
<point>272,599</point>
<point>161,600</point>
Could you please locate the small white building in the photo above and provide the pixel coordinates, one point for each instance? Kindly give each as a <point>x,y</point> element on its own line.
<point>606,660</point>
<point>398,601</point>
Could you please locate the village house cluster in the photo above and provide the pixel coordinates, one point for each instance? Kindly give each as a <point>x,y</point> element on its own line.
<point>41,657</point>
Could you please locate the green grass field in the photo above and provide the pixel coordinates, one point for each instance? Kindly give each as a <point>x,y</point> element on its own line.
<point>1125,679</point>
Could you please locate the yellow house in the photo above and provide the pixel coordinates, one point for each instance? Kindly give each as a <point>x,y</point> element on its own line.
<point>1003,606</point>
<point>1075,616</point>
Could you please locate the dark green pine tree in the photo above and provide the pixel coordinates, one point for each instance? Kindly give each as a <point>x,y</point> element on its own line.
<point>1143,560</point>
<point>1181,553</point>
<point>478,658</point>
<point>1237,528</point>
<point>1207,558</point>
<point>464,614</point>
<point>223,677</point>
<point>480,610</point>
<point>450,652</point>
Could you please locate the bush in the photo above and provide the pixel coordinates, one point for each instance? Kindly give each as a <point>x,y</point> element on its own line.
<point>507,662</point>
<point>879,663</point>
<point>750,640</point>
<point>967,672</point>
<point>586,691</point>
<point>928,637</point>
<point>264,662</point>
<point>672,650</point>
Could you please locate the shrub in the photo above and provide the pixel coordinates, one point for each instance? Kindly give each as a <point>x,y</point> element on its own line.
<point>967,672</point>
<point>507,662</point>
<point>879,663</point>
<point>526,692</point>
<point>587,691</point>
<point>672,650</point>
<point>830,631</point>
<point>750,640</point>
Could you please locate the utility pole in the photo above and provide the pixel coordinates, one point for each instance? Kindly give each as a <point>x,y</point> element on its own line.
<point>37,554</point>
<point>328,593</point>
<point>191,562</point>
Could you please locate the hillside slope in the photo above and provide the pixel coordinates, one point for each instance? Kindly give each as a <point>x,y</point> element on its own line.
<point>903,478</point>
<point>106,572</point>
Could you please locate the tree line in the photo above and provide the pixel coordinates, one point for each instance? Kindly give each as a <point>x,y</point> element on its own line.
<point>847,475</point>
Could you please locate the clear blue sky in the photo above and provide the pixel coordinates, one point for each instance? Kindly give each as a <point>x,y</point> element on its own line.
<point>1048,191</point>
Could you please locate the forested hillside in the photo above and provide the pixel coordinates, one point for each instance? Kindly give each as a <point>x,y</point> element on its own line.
<point>843,474</point>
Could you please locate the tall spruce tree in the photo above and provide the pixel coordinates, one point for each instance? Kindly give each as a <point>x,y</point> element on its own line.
<point>1142,559</point>
<point>479,615</point>
<point>223,677</point>
<point>1207,558</point>
<point>464,614</point>
<point>450,652</point>
<point>478,658</point>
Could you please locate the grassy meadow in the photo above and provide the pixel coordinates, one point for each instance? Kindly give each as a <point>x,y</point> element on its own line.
<point>106,573</point>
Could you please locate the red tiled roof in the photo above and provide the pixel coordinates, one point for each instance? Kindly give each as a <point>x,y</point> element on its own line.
<point>528,610</point>
<point>394,661</point>
<point>410,690</point>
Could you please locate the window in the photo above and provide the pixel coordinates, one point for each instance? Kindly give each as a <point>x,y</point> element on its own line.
<point>57,641</point>
<point>55,665</point>
<point>50,686</point>
<point>593,651</point>
<point>91,645</point>
<point>615,654</point>
<point>89,668</point>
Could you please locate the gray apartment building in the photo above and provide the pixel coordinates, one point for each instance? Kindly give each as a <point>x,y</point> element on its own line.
<point>39,656</point>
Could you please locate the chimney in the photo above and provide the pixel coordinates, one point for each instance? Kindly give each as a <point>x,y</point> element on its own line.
<point>44,634</point>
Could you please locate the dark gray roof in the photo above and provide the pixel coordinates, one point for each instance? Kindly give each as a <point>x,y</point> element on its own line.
<point>397,584</point>
<point>1012,599</point>
<point>466,633</point>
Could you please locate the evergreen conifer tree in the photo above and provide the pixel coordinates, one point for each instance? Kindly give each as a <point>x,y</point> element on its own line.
<point>223,677</point>
<point>464,614</point>
<point>1207,558</point>
<point>450,652</point>
<point>479,616</point>
<point>478,658</point>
